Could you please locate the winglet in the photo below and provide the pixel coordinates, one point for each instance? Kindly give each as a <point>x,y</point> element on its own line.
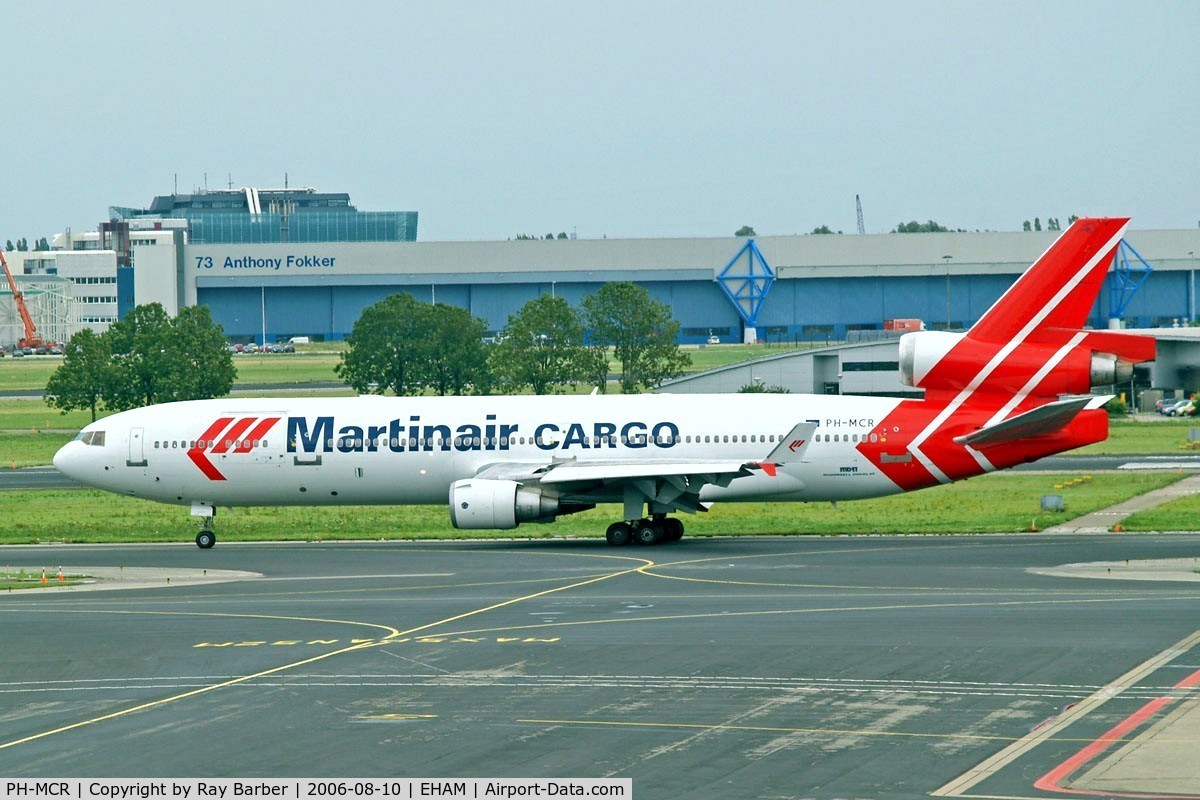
<point>792,446</point>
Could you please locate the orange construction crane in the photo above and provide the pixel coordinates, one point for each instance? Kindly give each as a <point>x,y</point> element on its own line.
<point>32,337</point>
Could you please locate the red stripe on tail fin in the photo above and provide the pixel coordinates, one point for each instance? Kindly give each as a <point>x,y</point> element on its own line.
<point>1058,291</point>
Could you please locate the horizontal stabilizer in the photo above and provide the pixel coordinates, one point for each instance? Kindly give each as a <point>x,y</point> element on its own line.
<point>1043,419</point>
<point>1125,345</point>
<point>792,447</point>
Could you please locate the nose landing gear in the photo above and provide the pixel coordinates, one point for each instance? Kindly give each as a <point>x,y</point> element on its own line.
<point>206,538</point>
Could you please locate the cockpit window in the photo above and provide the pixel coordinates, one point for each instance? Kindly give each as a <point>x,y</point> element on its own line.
<point>94,438</point>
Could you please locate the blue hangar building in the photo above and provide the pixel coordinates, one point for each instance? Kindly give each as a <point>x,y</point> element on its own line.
<point>295,262</point>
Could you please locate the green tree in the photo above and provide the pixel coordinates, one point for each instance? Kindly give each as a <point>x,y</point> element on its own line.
<point>822,229</point>
<point>139,349</point>
<point>41,244</point>
<point>456,360</point>
<point>156,359</point>
<point>920,227</point>
<point>745,230</point>
<point>8,245</point>
<point>200,362</point>
<point>542,348</point>
<point>385,348</point>
<point>758,388</point>
<point>642,332</point>
<point>408,346</point>
<point>82,377</point>
<point>593,366</point>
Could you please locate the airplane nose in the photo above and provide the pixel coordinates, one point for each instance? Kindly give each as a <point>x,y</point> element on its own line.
<point>66,460</point>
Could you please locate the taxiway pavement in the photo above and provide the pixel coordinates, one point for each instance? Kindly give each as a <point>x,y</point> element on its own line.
<point>728,668</point>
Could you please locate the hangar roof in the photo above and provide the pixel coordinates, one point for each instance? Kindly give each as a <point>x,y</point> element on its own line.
<point>803,256</point>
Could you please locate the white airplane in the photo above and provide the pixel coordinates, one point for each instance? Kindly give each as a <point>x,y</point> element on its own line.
<point>1012,389</point>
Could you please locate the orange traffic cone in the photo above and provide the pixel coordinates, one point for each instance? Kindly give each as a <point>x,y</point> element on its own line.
<point>60,575</point>
<point>43,575</point>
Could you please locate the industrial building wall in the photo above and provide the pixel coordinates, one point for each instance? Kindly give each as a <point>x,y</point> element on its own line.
<point>828,288</point>
<point>866,369</point>
<point>156,279</point>
<point>330,311</point>
<point>819,309</point>
<point>797,310</point>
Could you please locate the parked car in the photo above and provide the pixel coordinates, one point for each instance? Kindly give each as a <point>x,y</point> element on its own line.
<point>1175,408</point>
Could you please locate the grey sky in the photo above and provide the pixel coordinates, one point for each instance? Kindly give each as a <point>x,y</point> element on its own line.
<point>618,119</point>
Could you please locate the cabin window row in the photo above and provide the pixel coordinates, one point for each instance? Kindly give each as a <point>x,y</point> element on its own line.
<point>846,437</point>
<point>587,441</point>
<point>203,444</point>
<point>502,441</point>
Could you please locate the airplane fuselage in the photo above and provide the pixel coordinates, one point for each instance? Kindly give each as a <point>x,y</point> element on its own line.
<point>395,451</point>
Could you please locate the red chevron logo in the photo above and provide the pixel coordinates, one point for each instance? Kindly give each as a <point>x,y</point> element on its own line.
<point>223,437</point>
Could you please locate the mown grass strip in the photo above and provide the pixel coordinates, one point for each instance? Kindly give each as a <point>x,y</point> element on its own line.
<point>1178,515</point>
<point>994,503</point>
<point>1160,435</point>
<point>30,449</point>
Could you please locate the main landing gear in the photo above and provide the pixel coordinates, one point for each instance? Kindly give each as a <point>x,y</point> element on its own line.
<point>659,528</point>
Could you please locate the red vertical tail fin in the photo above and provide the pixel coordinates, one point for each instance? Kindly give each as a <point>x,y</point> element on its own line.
<point>1058,291</point>
<point>1031,342</point>
<point>995,395</point>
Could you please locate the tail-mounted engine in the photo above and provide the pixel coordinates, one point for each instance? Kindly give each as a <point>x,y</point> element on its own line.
<point>477,504</point>
<point>1053,362</point>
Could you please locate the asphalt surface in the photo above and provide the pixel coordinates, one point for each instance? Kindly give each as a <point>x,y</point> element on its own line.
<point>766,668</point>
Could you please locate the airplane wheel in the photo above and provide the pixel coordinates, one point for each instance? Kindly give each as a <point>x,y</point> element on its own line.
<point>648,532</point>
<point>672,530</point>
<point>619,533</point>
<point>205,539</point>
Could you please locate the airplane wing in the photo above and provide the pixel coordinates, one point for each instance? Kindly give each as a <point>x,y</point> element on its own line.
<point>673,485</point>
<point>1043,419</point>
